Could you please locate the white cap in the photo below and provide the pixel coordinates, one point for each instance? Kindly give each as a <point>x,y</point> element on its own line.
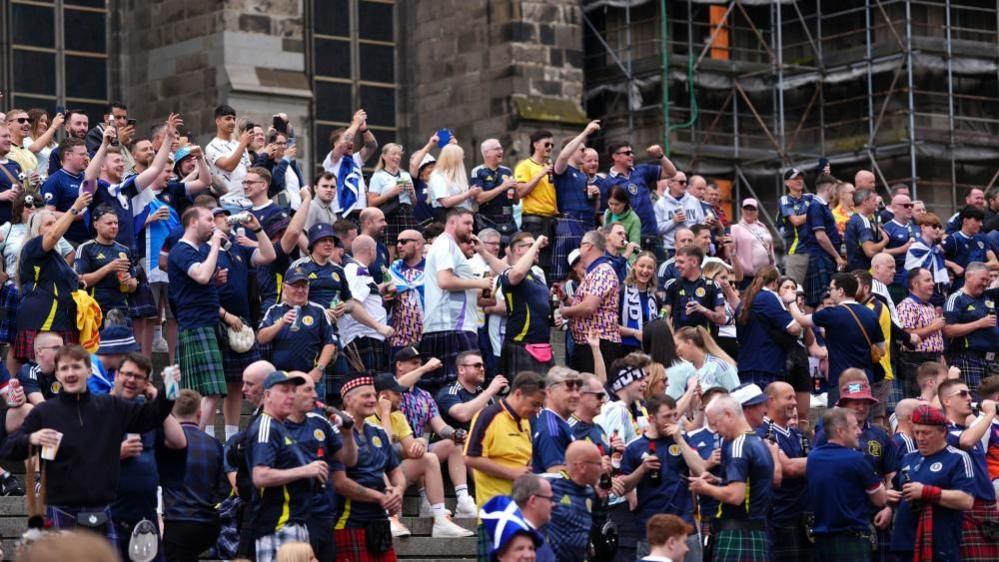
<point>573,257</point>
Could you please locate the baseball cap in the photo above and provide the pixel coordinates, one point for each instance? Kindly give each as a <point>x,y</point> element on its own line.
<point>750,202</point>
<point>275,224</point>
<point>748,394</point>
<point>856,391</point>
<point>427,159</point>
<point>219,210</point>
<point>296,274</point>
<point>408,353</point>
<point>573,257</point>
<point>282,377</point>
<point>387,381</point>
<point>320,231</point>
<point>792,174</point>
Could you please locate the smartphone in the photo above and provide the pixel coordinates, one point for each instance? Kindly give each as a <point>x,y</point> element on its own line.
<point>280,125</point>
<point>444,137</point>
<point>89,186</point>
<point>130,122</point>
<point>60,109</point>
<point>291,142</point>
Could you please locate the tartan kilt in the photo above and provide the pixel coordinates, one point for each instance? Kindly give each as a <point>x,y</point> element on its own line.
<point>398,221</point>
<point>481,544</point>
<point>445,346</point>
<point>515,359</point>
<point>740,545</point>
<point>841,547</point>
<point>24,343</point>
<point>373,353</point>
<point>268,545</point>
<point>64,520</point>
<point>790,544</point>
<point>141,303</point>
<point>973,367</point>
<point>201,361</point>
<point>351,547</point>
<point>820,272</point>
<point>233,364</point>
<point>975,546</point>
<point>10,297</point>
<point>569,233</point>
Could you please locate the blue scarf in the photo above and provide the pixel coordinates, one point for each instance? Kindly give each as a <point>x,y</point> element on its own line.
<point>921,254</point>
<point>637,308</point>
<point>402,284</point>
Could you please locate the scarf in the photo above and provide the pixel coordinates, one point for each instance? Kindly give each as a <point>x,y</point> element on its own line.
<point>636,308</point>
<point>402,283</point>
<point>921,254</point>
<point>157,231</point>
<point>348,183</point>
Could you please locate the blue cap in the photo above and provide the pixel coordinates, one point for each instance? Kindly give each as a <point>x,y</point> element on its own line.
<point>503,521</point>
<point>748,394</point>
<point>322,230</point>
<point>282,377</point>
<point>296,274</point>
<point>117,340</point>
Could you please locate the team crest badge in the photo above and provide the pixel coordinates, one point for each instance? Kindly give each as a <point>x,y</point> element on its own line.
<point>674,450</point>
<point>335,276</point>
<point>874,448</point>
<point>307,320</point>
<point>55,387</point>
<point>632,189</point>
<point>565,500</point>
<point>699,292</point>
<point>981,245</point>
<point>376,441</point>
<point>990,304</point>
<point>936,467</point>
<point>589,504</point>
<point>319,435</point>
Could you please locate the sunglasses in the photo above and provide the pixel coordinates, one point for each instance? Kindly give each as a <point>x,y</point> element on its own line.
<point>962,393</point>
<point>473,365</point>
<point>572,384</point>
<point>908,205</point>
<point>626,152</point>
<point>549,145</point>
<point>403,241</point>
<point>598,395</point>
<point>21,120</point>
<point>681,182</point>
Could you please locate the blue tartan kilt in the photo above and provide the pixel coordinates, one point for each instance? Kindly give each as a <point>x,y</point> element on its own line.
<point>820,272</point>
<point>10,297</point>
<point>569,233</point>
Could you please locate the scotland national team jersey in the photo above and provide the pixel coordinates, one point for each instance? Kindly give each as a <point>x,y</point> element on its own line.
<point>983,484</point>
<point>271,445</point>
<point>318,440</point>
<point>92,256</point>
<point>327,283</point>
<point>298,349</point>
<point>552,436</point>
<point>569,528</point>
<point>791,499</point>
<point>670,493</point>
<point>839,507</point>
<point>747,459</point>
<point>375,459</point>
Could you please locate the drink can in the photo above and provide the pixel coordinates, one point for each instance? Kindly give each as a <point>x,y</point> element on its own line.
<point>170,385</point>
<point>298,319</point>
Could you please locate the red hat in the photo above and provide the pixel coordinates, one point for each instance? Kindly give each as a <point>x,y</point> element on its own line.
<point>857,391</point>
<point>928,415</point>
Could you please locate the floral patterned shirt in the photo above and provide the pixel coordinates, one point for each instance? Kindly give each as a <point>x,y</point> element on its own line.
<point>914,314</point>
<point>600,281</point>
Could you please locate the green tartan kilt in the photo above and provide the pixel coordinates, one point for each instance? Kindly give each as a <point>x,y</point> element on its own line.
<point>201,361</point>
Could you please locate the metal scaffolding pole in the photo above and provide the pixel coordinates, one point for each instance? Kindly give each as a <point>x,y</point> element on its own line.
<point>912,95</point>
<point>870,82</point>
<point>777,36</point>
<point>950,106</point>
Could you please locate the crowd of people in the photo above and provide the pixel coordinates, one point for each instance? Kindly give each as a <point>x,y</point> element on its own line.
<point>393,331</point>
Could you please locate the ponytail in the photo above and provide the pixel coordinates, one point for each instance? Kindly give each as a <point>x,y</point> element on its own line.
<point>765,276</point>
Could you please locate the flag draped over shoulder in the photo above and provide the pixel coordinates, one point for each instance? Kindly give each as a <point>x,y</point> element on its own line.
<point>348,183</point>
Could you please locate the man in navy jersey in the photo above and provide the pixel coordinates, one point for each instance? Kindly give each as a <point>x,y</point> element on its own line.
<point>496,181</point>
<point>106,265</point>
<point>584,428</point>
<point>63,186</point>
<point>552,434</point>
<point>864,236</point>
<point>842,488</point>
<point>821,241</point>
<point>639,181</point>
<point>327,282</point>
<point>300,335</point>
<point>708,444</point>
<point>284,479</point>
<point>237,256</point>
<point>974,197</point>
<point>938,486</point>
<point>657,465</point>
<point>284,235</point>
<point>745,490</point>
<point>972,439</point>
<point>373,224</point>
<point>193,275</point>
<point>968,245</point>
<point>970,313</point>
<point>791,222</point>
<point>319,440</point>
<point>371,487</point>
<point>76,127</point>
<point>691,299</point>
<point>255,184</point>
<point>38,377</point>
<point>573,498</point>
<point>902,232</point>
<point>462,399</point>
<point>575,198</point>
<point>788,525</point>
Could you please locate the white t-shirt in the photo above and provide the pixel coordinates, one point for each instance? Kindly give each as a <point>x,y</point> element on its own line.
<point>220,148</point>
<point>448,310</point>
<point>440,188</point>
<point>334,168</point>
<point>292,186</point>
<point>364,290</point>
<point>382,182</point>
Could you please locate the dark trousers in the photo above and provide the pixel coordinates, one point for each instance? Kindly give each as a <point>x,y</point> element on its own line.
<point>539,225</point>
<point>630,531</point>
<point>321,538</point>
<point>582,356</point>
<point>184,541</point>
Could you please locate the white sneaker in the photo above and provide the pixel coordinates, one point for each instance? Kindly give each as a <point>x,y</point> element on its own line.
<point>444,528</point>
<point>398,529</point>
<point>466,509</point>
<point>425,509</point>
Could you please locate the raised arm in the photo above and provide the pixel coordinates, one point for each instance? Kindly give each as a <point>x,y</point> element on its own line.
<point>149,175</point>
<point>229,163</point>
<point>45,138</point>
<point>572,146</point>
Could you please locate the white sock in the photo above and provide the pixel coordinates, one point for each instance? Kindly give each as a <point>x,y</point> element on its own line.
<point>423,496</point>
<point>462,492</point>
<point>158,332</point>
<point>439,512</point>
<point>210,430</point>
<point>230,430</point>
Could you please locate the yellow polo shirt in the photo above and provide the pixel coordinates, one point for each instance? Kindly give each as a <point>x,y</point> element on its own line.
<point>497,433</point>
<point>540,201</point>
<point>400,427</point>
<point>24,158</point>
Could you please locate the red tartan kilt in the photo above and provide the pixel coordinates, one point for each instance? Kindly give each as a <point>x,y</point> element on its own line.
<point>974,545</point>
<point>24,343</point>
<point>350,547</point>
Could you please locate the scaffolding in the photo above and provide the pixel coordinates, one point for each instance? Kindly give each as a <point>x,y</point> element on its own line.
<point>906,88</point>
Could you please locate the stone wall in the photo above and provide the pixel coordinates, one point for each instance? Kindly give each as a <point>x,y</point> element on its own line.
<point>492,69</point>
<point>189,56</point>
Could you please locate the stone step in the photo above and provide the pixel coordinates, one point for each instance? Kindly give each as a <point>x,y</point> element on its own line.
<point>426,547</point>
<point>422,526</point>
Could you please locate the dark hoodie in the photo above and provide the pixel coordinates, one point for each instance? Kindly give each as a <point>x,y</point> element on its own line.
<point>87,465</point>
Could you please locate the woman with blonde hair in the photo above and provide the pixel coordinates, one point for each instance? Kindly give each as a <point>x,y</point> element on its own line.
<point>392,190</point>
<point>721,273</point>
<point>639,304</point>
<point>296,552</point>
<point>701,358</point>
<point>41,140</point>
<point>448,185</point>
<point>655,380</point>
